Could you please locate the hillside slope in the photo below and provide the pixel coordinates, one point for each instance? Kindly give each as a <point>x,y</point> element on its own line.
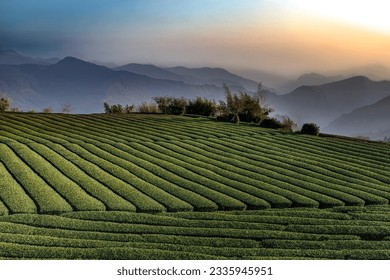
<point>169,187</point>
<point>158,163</point>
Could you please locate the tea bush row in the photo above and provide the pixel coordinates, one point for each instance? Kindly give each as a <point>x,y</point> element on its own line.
<point>14,198</point>
<point>265,163</point>
<point>276,196</point>
<point>98,176</point>
<point>326,198</point>
<point>68,189</point>
<point>322,153</point>
<point>46,199</point>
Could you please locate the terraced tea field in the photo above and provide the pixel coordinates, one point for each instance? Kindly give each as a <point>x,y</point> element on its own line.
<point>165,187</point>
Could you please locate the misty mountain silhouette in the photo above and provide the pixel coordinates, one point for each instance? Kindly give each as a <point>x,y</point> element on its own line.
<point>12,57</point>
<point>371,120</point>
<point>213,76</point>
<point>322,104</point>
<point>151,71</point>
<point>309,79</point>
<point>376,72</point>
<point>86,86</point>
<point>193,76</point>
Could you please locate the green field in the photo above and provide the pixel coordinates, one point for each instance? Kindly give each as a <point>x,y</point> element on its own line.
<point>167,187</point>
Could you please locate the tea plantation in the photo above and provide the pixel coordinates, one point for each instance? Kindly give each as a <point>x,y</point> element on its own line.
<point>138,186</point>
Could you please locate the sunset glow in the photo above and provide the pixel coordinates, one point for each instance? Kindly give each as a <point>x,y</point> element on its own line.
<point>371,15</point>
<point>279,36</point>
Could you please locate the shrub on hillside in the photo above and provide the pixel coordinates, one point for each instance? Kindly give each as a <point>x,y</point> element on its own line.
<point>288,124</point>
<point>243,106</point>
<point>148,108</point>
<point>5,103</point>
<point>201,106</point>
<point>118,108</point>
<point>171,105</point>
<point>47,110</point>
<point>271,123</point>
<point>310,129</point>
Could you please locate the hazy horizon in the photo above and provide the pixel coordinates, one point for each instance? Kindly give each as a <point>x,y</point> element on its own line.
<point>285,37</point>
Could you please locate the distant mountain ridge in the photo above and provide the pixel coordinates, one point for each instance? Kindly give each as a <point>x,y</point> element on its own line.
<point>86,86</point>
<point>372,121</point>
<point>322,104</point>
<point>192,76</point>
<point>150,70</point>
<point>214,76</point>
<point>12,57</point>
<point>375,72</point>
<point>309,79</point>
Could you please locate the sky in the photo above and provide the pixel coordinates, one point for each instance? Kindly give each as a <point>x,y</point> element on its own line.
<point>285,36</point>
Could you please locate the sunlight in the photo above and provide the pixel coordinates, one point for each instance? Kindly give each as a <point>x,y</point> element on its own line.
<point>367,14</point>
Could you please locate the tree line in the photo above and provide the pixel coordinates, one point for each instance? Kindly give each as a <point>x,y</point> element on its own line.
<point>6,101</point>
<point>236,108</point>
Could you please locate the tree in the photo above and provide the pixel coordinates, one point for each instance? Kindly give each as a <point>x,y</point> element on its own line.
<point>171,105</point>
<point>201,106</point>
<point>288,124</point>
<point>128,109</point>
<point>66,109</point>
<point>263,111</point>
<point>244,106</point>
<point>5,102</point>
<point>163,103</point>
<point>271,123</point>
<point>118,108</point>
<point>148,108</point>
<point>233,104</point>
<point>107,108</point>
<point>311,129</point>
<point>47,110</point>
<point>178,106</point>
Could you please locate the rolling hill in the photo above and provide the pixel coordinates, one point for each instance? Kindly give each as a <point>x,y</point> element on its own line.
<point>172,187</point>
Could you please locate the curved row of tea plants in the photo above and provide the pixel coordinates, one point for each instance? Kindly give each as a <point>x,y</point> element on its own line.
<point>152,163</point>
<point>300,233</point>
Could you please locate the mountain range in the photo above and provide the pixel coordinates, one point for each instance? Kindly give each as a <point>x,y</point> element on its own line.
<point>308,79</point>
<point>334,102</point>
<point>86,86</point>
<point>322,104</point>
<point>192,76</point>
<point>371,121</point>
<point>15,58</point>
